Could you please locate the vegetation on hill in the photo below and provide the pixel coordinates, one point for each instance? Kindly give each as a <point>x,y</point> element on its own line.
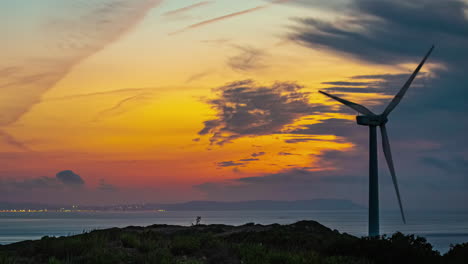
<point>305,242</point>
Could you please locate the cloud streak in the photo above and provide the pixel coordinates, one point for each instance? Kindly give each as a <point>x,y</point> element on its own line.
<point>111,92</point>
<point>123,106</point>
<point>10,140</point>
<point>69,40</point>
<point>187,8</point>
<point>221,18</point>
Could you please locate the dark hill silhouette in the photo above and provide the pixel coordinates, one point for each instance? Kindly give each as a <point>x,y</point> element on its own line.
<point>304,242</point>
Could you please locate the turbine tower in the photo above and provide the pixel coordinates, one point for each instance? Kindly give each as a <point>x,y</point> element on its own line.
<point>368,118</point>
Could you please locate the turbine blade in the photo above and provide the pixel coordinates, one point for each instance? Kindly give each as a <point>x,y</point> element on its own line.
<point>396,100</point>
<point>361,109</point>
<point>388,157</point>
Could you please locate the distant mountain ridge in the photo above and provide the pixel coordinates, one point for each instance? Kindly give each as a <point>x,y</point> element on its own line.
<point>315,204</point>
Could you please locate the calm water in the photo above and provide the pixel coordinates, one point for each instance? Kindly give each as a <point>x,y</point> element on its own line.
<point>441,229</point>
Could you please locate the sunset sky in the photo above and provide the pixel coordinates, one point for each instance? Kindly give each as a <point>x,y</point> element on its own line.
<point>114,101</point>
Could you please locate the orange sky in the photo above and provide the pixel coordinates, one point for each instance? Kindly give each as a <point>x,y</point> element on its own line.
<point>126,105</point>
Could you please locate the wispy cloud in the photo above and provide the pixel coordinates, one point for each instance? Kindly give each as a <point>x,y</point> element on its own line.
<point>198,76</point>
<point>69,40</point>
<point>248,59</point>
<point>187,8</point>
<point>131,98</point>
<point>221,18</point>
<point>111,92</point>
<point>10,140</point>
<point>123,106</point>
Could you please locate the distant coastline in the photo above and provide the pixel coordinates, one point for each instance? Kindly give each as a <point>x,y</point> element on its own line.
<point>316,204</point>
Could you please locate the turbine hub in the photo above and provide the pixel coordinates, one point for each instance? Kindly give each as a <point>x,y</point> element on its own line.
<point>368,120</point>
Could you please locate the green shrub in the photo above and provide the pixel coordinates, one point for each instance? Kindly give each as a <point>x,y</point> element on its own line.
<point>53,260</point>
<point>185,245</point>
<point>130,240</point>
<point>7,259</point>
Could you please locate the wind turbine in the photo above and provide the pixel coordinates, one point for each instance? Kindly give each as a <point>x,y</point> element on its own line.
<point>368,118</point>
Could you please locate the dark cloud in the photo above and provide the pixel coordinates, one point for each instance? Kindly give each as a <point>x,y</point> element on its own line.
<point>349,182</point>
<point>343,129</point>
<point>34,183</point>
<point>386,84</point>
<point>301,139</point>
<point>289,184</point>
<point>346,83</point>
<point>394,32</point>
<point>286,154</point>
<point>248,59</point>
<point>61,181</point>
<point>229,163</point>
<point>345,179</point>
<point>69,178</point>
<point>240,162</point>
<point>247,109</point>
<point>332,126</point>
<point>69,188</point>
<point>249,159</point>
<point>295,175</point>
<point>258,154</point>
<point>457,165</point>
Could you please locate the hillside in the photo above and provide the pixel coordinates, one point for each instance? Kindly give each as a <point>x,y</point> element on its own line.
<point>303,242</point>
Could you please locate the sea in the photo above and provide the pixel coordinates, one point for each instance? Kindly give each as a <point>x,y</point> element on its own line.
<point>441,229</point>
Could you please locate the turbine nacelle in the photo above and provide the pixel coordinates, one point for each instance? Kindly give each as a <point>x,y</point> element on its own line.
<point>371,120</point>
